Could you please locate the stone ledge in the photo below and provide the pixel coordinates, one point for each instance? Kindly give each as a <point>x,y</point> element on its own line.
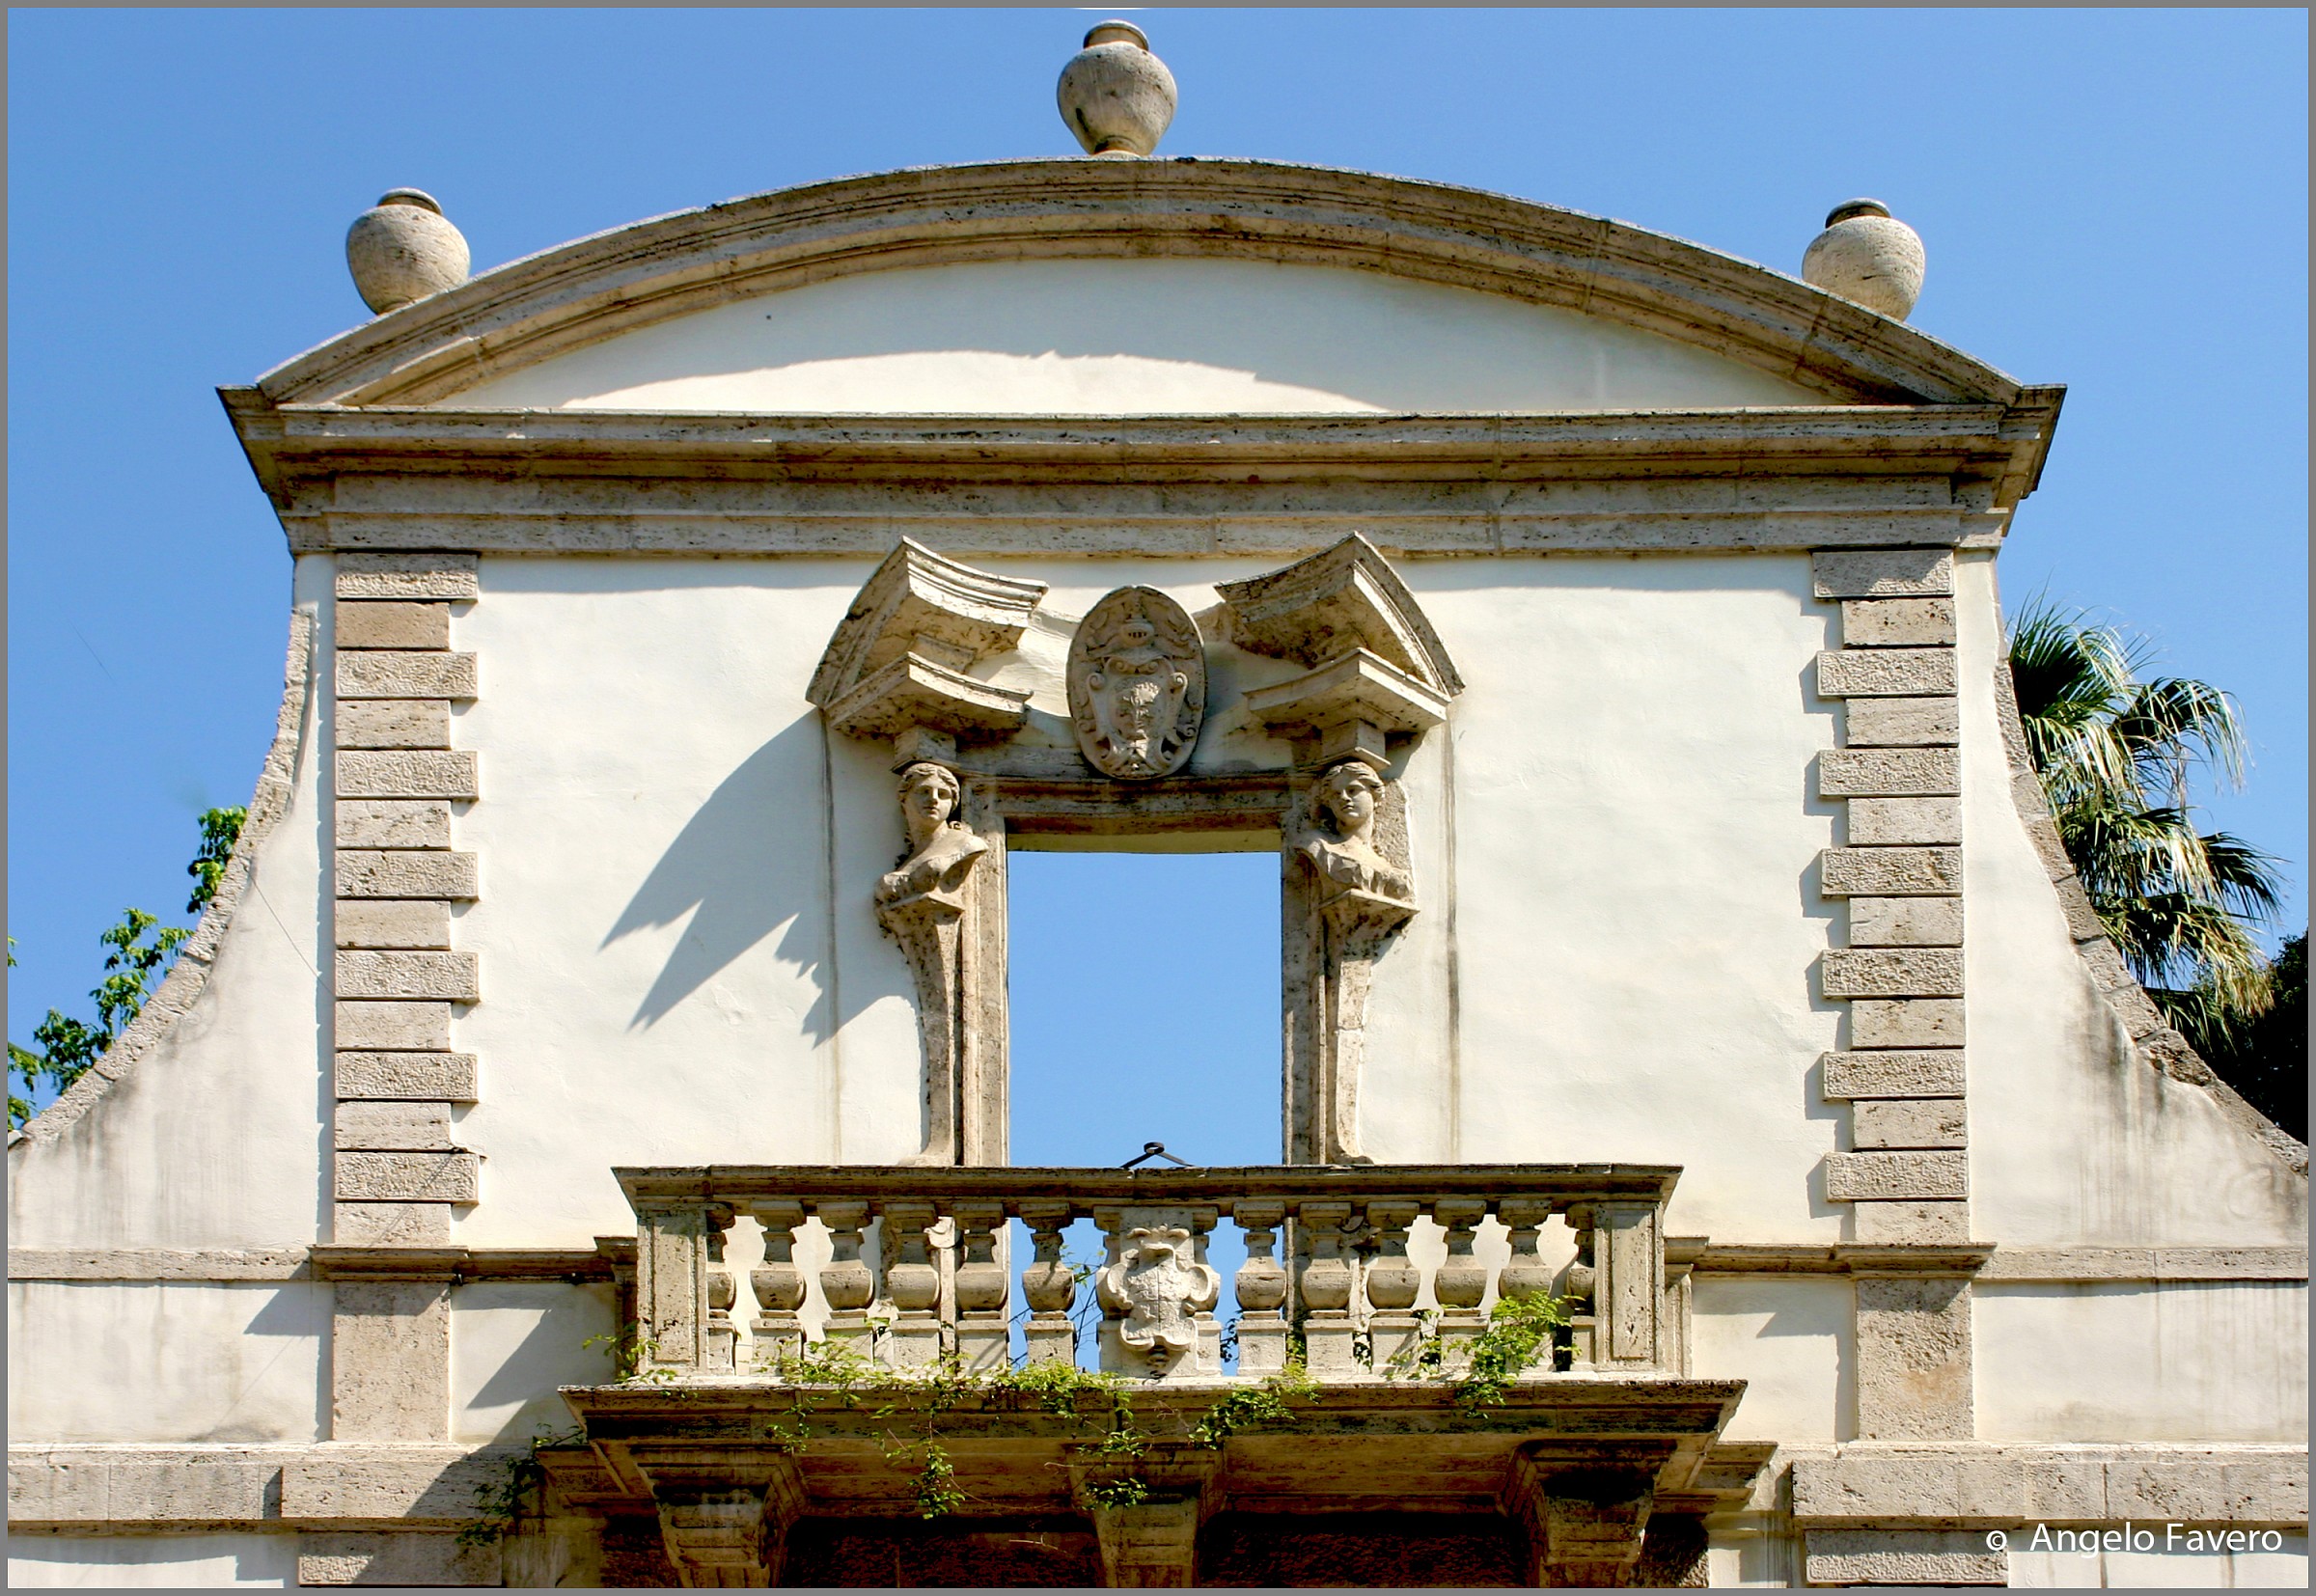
<point>1841,673</point>
<point>1983,1485</point>
<point>407,774</point>
<point>405,673</point>
<point>2152,1264</point>
<point>1883,573</point>
<point>1855,1176</point>
<point>157,1263</point>
<point>1888,773</point>
<point>407,576</point>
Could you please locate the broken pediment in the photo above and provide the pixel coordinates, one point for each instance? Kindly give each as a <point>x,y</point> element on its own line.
<point>1378,667</point>
<point>897,660</point>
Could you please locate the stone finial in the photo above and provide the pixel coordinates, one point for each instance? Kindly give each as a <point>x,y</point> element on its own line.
<point>1115,96</point>
<point>403,250</point>
<point>1868,256</point>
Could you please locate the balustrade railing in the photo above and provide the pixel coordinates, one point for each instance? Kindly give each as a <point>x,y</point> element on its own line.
<point>909,1264</point>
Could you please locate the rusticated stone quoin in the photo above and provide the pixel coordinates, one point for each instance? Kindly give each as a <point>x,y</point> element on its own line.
<point>1889,773</point>
<point>1891,973</point>
<point>1923,1072</point>
<point>365,774</point>
<point>447,1077</point>
<point>1883,573</point>
<point>1891,872</point>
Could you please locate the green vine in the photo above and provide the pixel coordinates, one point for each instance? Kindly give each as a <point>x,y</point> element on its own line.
<point>1519,1332</point>
<point>500,1499</point>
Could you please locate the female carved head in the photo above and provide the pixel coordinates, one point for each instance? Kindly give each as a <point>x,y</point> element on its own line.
<point>1349,794</point>
<point>928,799</point>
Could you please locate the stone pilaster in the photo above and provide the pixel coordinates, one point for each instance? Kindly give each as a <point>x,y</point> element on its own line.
<point>396,980</point>
<point>1906,1175</point>
<point>1898,773</point>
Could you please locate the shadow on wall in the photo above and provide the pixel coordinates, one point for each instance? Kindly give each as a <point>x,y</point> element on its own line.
<point>734,870</point>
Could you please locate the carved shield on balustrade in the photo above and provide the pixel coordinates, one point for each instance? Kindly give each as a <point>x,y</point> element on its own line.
<point>1137,684</point>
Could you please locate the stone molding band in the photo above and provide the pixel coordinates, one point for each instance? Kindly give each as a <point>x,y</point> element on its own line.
<point>679,264</point>
<point>277,780</point>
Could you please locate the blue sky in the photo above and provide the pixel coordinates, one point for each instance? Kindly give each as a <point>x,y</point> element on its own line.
<point>2115,200</point>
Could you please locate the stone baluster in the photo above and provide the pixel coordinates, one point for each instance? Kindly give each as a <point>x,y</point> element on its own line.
<point>1576,1288</point>
<point>1261,1287</point>
<point>721,1350</point>
<point>1326,1290</point>
<point>1047,1286</point>
<point>1526,1273</point>
<point>1461,1284</point>
<point>779,1285</point>
<point>846,1284</point>
<point>1395,1332</point>
<point>913,1285</point>
<point>981,1289</point>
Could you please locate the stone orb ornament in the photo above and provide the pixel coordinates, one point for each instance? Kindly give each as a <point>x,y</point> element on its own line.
<point>1115,96</point>
<point>1868,256</point>
<point>403,250</point>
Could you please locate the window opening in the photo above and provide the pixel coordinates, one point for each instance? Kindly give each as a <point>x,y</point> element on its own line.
<point>1144,1002</point>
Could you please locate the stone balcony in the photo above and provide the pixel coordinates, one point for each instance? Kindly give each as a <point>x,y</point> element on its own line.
<point>834,1343</point>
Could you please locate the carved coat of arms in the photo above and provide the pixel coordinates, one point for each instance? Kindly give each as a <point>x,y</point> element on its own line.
<point>1158,1287</point>
<point>1137,684</point>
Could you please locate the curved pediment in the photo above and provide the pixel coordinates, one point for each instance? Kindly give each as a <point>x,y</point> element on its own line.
<point>1090,287</point>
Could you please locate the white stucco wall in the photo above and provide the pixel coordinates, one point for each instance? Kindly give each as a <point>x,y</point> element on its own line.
<point>139,1563</point>
<point>2072,1137</point>
<point>2285,1568</point>
<point>2133,1361</point>
<point>1163,337</point>
<point>1792,1340</point>
<point>512,1342</point>
<point>135,1360</point>
<point>216,1137</point>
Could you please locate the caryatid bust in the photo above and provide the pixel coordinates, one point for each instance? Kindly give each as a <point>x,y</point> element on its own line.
<point>943,849</point>
<point>1345,803</point>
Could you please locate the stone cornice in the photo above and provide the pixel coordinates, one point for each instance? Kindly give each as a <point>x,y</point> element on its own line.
<point>583,293</point>
<point>612,481</point>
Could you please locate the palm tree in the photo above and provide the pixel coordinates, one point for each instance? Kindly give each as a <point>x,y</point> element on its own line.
<point>2115,749</point>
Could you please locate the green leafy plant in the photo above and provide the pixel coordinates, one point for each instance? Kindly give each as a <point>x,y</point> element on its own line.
<point>142,950</point>
<point>1518,1333</point>
<point>500,1499</point>
<point>632,1355</point>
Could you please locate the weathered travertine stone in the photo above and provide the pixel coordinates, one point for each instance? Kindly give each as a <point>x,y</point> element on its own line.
<point>1882,822</point>
<point>411,775</point>
<point>408,1483</point>
<point>1868,256</point>
<point>1896,1176</point>
<point>1886,872</point>
<point>392,623</point>
<point>407,922</point>
<point>403,250</point>
<point>394,723</point>
<point>446,1076</point>
<point>1137,683</point>
<point>2104,961</point>
<point>1916,1072</point>
<point>1989,1485</point>
<point>1887,773</point>
<point>1883,573</point>
<point>1903,1558</point>
<point>406,673</point>
<point>1897,622</point>
<point>391,1224</point>
<point>1902,722</point>
<point>1856,673</point>
<point>1909,1123</point>
<point>403,1557</point>
<point>1115,96</point>
<point>1906,922</point>
<point>1906,1022</point>
<point>408,823</point>
<point>2082,920</point>
<point>407,1177</point>
<point>455,978</point>
<point>1930,1223</point>
<point>2049,847</point>
<point>390,1363</point>
<point>1914,1358</point>
<point>72,1487</point>
<point>394,1127</point>
<point>2136,1010</point>
<point>1886,972</point>
<point>406,576</point>
<point>367,873</point>
<point>394,1026</point>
